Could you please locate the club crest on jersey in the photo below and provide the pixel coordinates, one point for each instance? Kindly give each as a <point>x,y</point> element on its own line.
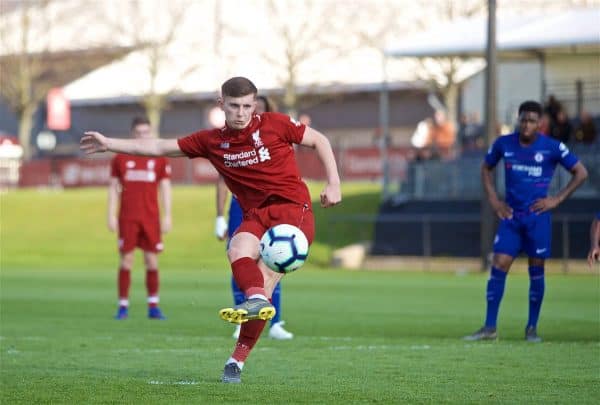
<point>263,154</point>
<point>130,164</point>
<point>150,165</point>
<point>256,138</point>
<point>224,145</point>
<point>538,157</point>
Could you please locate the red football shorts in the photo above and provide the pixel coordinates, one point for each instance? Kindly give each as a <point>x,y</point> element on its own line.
<point>142,234</point>
<point>258,220</point>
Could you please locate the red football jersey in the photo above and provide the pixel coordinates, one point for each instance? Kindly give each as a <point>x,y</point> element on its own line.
<point>139,177</point>
<point>256,162</point>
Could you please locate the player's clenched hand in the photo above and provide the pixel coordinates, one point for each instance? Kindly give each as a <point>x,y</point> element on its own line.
<point>166,224</point>
<point>502,209</point>
<point>112,224</point>
<point>331,195</point>
<point>593,256</point>
<point>93,142</point>
<point>220,228</point>
<point>544,204</point>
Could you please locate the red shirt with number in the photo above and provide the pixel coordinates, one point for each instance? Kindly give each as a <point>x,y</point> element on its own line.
<point>257,162</point>
<point>139,177</point>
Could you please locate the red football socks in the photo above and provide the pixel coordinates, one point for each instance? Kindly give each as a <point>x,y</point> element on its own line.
<point>124,281</point>
<point>152,287</point>
<point>248,277</point>
<point>249,335</point>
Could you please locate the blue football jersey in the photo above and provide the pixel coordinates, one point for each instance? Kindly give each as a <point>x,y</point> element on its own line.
<point>528,169</point>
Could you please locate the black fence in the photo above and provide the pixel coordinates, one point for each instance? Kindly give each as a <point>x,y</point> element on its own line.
<point>451,228</point>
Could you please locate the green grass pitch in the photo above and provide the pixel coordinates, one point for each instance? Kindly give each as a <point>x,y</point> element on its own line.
<point>361,337</point>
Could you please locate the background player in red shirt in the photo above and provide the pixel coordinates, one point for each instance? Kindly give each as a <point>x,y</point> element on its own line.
<point>255,156</point>
<point>137,179</point>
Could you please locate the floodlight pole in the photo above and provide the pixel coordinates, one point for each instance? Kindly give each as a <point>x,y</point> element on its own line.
<point>487,215</point>
<point>384,126</point>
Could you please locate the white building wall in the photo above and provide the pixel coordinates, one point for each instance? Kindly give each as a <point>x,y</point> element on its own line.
<point>517,81</point>
<point>534,80</point>
<point>562,73</point>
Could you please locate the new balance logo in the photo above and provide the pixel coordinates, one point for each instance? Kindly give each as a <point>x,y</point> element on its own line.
<point>263,154</point>
<point>540,251</point>
<point>508,154</point>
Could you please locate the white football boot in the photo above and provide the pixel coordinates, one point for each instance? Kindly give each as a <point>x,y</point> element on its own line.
<point>279,333</point>
<point>236,332</point>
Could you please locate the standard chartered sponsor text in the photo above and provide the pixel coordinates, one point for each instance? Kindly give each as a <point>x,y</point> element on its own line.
<point>241,163</point>
<point>241,155</point>
<point>240,159</point>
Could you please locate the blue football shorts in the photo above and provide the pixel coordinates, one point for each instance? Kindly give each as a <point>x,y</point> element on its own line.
<point>525,232</point>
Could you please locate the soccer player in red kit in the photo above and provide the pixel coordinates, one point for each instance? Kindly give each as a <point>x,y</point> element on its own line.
<point>255,156</point>
<point>137,179</point>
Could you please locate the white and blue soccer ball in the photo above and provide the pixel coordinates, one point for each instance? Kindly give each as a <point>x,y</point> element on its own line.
<point>284,248</point>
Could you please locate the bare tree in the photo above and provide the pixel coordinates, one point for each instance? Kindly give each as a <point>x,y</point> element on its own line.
<point>302,40</point>
<point>30,64</point>
<point>442,72</point>
<point>22,84</point>
<point>154,27</point>
<point>546,5</point>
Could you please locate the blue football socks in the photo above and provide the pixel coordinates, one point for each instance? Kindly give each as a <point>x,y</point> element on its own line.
<point>494,293</point>
<point>276,301</point>
<point>238,295</point>
<point>536,294</point>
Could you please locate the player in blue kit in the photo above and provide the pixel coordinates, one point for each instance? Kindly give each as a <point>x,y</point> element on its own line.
<point>526,226</point>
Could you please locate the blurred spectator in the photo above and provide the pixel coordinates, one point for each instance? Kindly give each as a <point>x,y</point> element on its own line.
<point>422,142</point>
<point>470,132</point>
<point>552,107</point>
<point>443,135</point>
<point>561,128</point>
<point>463,122</point>
<point>545,124</point>
<point>586,130</point>
<point>424,154</point>
<point>421,139</point>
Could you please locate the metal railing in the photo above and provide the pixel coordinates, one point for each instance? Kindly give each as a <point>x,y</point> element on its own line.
<point>461,179</point>
<point>366,225</point>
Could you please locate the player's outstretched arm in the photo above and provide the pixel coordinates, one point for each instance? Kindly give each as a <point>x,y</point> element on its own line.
<point>578,175</point>
<point>95,142</point>
<point>331,194</point>
<point>503,210</point>
<point>594,254</point>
